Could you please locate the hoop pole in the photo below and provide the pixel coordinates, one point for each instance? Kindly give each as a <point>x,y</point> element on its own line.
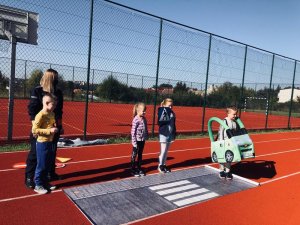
<point>11,88</point>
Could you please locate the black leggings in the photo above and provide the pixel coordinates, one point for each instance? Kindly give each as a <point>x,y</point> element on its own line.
<point>137,152</point>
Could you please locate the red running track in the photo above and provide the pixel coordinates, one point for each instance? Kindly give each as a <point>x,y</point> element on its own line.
<point>108,119</point>
<point>276,166</point>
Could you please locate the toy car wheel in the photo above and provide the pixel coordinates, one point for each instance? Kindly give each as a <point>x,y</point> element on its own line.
<point>214,157</point>
<point>229,156</point>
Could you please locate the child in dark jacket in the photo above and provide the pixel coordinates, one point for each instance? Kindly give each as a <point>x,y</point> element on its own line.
<point>167,132</point>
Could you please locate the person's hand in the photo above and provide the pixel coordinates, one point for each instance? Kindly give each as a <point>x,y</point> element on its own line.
<point>34,135</point>
<point>53,130</point>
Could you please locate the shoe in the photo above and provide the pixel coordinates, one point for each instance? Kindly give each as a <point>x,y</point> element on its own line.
<point>50,187</point>
<point>222,175</point>
<point>53,177</point>
<point>135,173</point>
<point>40,190</point>
<point>161,169</point>
<point>166,169</point>
<point>229,176</point>
<point>29,183</point>
<point>141,172</point>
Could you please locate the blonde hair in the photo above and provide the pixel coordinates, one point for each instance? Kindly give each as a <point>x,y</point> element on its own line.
<point>49,96</point>
<point>136,106</point>
<point>233,108</point>
<point>164,102</point>
<point>47,80</point>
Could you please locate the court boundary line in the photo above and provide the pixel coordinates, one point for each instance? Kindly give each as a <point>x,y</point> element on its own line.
<point>154,141</point>
<point>236,176</point>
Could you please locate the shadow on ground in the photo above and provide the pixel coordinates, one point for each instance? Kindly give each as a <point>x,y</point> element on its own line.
<point>255,169</point>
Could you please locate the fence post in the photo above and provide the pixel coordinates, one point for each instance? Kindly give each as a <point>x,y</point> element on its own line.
<point>110,86</point>
<point>92,100</point>
<point>11,88</point>
<point>73,83</point>
<point>268,100</point>
<point>243,81</point>
<point>25,79</point>
<point>156,79</point>
<point>292,95</point>
<point>206,81</point>
<point>88,69</point>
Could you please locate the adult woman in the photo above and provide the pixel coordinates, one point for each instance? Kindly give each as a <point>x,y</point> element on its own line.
<point>48,84</point>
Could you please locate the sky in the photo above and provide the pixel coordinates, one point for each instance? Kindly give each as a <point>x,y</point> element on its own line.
<point>272,25</point>
<point>127,42</point>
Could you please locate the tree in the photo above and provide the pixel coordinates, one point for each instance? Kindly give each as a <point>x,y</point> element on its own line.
<point>34,79</point>
<point>3,81</point>
<point>163,85</point>
<point>181,88</point>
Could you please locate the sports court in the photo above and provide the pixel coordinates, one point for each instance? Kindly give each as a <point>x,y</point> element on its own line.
<point>110,56</point>
<point>94,169</point>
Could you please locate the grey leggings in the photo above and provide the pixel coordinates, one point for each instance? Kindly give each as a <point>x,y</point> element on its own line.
<point>164,148</point>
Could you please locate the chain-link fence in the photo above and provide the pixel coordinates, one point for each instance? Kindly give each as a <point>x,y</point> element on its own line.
<point>138,57</point>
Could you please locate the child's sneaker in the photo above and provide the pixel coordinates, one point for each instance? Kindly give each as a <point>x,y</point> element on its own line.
<point>135,173</point>
<point>166,169</point>
<point>141,172</point>
<point>222,175</point>
<point>40,190</point>
<point>229,176</point>
<point>50,187</point>
<point>161,169</point>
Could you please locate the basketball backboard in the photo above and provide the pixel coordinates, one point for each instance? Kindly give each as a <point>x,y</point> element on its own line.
<point>21,24</point>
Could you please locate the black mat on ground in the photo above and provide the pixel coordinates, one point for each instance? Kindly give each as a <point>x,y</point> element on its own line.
<point>123,201</point>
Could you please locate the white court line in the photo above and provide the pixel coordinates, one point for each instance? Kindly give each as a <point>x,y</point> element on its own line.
<point>26,196</point>
<point>196,199</point>
<point>177,189</point>
<point>185,194</point>
<point>236,176</point>
<point>279,178</point>
<point>157,187</point>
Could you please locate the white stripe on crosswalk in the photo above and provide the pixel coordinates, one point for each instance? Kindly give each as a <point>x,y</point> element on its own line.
<point>177,189</point>
<point>169,185</point>
<point>196,199</point>
<point>186,194</point>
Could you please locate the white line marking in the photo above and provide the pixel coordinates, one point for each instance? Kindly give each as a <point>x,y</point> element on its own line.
<point>196,199</point>
<point>177,189</point>
<point>163,186</point>
<point>186,194</point>
<point>25,196</point>
<point>156,153</point>
<point>235,176</point>
<point>280,178</point>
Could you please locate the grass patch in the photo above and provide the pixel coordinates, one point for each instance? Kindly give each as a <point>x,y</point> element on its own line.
<point>15,147</point>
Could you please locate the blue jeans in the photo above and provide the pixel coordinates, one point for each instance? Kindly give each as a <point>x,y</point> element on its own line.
<point>45,154</point>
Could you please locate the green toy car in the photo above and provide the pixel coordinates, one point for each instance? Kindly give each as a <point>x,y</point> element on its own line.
<point>238,146</point>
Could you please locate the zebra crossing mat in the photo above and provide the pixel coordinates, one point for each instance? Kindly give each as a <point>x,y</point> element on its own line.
<point>123,201</point>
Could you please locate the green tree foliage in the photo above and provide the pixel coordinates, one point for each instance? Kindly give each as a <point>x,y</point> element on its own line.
<point>34,79</point>
<point>181,87</point>
<point>3,81</point>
